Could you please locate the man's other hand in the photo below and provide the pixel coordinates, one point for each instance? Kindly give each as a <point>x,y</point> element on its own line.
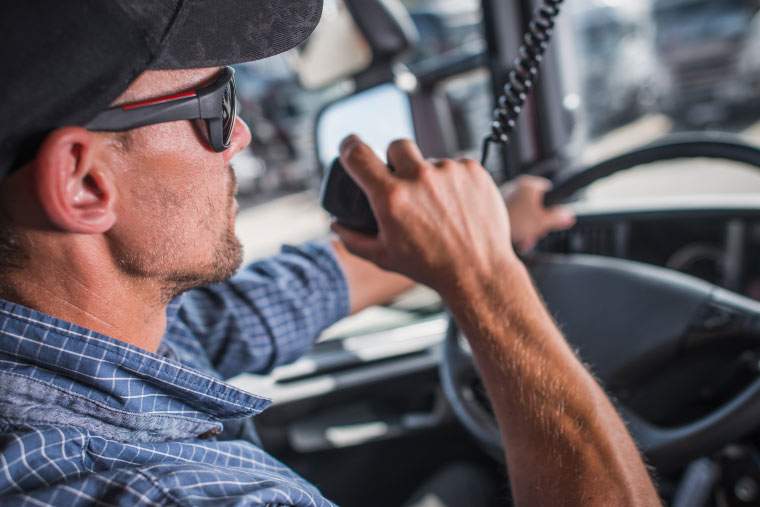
<point>530,219</point>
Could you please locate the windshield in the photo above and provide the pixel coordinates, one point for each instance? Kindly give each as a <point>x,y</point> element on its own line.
<point>696,21</point>
<point>642,70</point>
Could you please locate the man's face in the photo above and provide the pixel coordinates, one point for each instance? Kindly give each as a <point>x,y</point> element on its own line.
<point>176,205</point>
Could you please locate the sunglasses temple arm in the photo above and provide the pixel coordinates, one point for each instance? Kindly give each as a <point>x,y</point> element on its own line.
<point>117,119</point>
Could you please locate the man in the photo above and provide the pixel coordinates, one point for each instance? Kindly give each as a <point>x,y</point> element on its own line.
<point>118,198</point>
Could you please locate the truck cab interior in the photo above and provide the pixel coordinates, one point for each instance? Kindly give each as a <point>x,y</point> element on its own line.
<point>646,118</point>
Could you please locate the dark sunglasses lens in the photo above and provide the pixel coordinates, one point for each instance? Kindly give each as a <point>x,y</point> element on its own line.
<point>229,112</point>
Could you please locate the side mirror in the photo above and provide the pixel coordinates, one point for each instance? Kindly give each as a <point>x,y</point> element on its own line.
<point>378,115</point>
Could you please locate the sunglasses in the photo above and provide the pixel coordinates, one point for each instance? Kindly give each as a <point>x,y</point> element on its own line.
<point>216,104</point>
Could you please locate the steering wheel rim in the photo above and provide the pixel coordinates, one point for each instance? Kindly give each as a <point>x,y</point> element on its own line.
<point>697,303</point>
<point>718,145</point>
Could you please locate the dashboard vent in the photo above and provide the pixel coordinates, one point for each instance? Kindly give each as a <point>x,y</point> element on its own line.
<point>596,239</point>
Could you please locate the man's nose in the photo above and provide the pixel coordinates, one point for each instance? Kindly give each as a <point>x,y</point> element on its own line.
<point>241,137</point>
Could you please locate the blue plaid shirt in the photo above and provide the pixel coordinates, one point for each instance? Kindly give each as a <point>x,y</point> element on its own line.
<point>89,420</point>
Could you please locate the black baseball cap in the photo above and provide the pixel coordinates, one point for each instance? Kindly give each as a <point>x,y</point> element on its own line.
<point>63,61</point>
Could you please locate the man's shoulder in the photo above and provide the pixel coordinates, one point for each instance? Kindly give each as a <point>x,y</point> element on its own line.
<point>49,465</point>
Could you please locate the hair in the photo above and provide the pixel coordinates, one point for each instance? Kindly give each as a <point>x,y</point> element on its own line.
<point>13,254</point>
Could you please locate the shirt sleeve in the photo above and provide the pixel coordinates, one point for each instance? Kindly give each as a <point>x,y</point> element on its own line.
<point>269,313</point>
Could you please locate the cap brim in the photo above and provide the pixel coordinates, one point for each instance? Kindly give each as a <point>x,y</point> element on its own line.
<point>224,32</point>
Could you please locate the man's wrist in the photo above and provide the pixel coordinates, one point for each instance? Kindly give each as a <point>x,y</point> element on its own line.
<point>485,285</point>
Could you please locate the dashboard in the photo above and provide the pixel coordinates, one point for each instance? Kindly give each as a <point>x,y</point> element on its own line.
<point>715,238</point>
<point>341,394</point>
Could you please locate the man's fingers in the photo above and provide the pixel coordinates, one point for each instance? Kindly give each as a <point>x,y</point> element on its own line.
<point>534,184</point>
<point>556,218</point>
<point>405,157</point>
<point>528,188</point>
<point>367,247</point>
<point>560,217</point>
<point>364,166</point>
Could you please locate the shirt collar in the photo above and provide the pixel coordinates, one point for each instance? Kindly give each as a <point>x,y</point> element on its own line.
<point>113,374</point>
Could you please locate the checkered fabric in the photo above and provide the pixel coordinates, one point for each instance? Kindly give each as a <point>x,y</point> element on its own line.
<point>89,420</point>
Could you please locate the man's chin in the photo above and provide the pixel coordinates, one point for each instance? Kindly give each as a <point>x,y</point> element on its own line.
<point>228,258</point>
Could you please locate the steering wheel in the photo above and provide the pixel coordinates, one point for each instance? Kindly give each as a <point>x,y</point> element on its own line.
<point>660,312</point>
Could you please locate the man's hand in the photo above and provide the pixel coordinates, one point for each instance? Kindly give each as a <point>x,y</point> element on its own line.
<point>529,222</point>
<point>443,224</point>
<point>530,219</point>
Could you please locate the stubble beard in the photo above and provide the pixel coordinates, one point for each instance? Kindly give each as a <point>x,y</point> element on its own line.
<point>226,259</point>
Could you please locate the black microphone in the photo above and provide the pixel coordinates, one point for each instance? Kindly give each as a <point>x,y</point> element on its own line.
<point>343,199</point>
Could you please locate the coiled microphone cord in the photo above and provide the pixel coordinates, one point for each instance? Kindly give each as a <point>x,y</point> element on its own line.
<point>522,76</point>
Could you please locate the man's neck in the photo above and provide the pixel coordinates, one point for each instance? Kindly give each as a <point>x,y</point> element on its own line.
<point>103,300</point>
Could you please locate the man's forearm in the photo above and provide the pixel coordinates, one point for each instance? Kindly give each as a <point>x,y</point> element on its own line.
<point>565,443</point>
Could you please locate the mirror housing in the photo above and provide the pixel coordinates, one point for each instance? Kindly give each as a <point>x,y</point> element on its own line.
<point>378,115</point>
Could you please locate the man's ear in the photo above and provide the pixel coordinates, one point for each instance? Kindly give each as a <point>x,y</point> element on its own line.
<point>74,186</point>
